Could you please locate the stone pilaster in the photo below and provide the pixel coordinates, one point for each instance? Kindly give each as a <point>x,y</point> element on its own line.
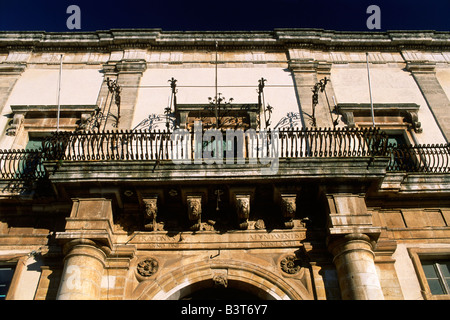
<point>424,74</point>
<point>128,78</point>
<point>306,74</point>
<point>9,74</point>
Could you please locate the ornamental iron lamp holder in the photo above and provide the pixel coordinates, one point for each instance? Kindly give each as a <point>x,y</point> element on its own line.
<point>101,114</point>
<point>319,86</point>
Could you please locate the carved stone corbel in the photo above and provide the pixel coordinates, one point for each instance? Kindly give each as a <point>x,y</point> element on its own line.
<point>194,204</point>
<point>16,123</point>
<point>220,281</point>
<point>349,119</point>
<point>243,210</point>
<point>84,119</point>
<point>413,118</point>
<point>151,211</point>
<point>288,209</point>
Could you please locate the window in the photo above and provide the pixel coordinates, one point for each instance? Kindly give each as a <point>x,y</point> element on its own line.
<point>34,143</point>
<point>402,157</point>
<point>6,274</point>
<point>432,267</point>
<point>438,276</point>
<point>233,116</point>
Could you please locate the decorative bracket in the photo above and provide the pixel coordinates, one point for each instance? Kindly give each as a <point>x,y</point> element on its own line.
<point>151,211</point>
<point>194,204</point>
<point>16,123</point>
<point>413,118</point>
<point>288,209</point>
<point>243,210</point>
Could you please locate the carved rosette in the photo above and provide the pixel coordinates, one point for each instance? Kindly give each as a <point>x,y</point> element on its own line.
<point>146,268</point>
<point>243,210</point>
<point>290,265</point>
<point>194,204</point>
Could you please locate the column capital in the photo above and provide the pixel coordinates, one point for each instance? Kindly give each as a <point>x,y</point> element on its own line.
<point>421,67</point>
<point>12,68</point>
<point>131,66</point>
<point>338,245</point>
<point>103,251</point>
<point>300,65</point>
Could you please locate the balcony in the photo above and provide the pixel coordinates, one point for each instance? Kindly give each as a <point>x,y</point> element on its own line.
<point>296,153</point>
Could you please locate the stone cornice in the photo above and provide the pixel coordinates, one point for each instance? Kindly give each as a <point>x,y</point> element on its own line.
<point>280,38</point>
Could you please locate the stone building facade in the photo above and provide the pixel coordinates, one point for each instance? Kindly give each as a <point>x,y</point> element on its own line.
<point>119,180</point>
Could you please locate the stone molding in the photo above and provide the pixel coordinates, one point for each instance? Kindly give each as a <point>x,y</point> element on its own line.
<point>90,219</point>
<point>266,282</point>
<point>409,111</point>
<point>146,38</point>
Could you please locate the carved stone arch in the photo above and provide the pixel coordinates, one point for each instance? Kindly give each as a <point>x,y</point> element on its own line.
<point>240,275</point>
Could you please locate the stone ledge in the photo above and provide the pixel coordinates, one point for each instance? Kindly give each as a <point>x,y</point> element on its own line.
<point>349,169</point>
<point>409,183</point>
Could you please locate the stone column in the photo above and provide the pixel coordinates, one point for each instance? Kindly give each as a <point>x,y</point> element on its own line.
<point>86,243</point>
<point>354,261</point>
<point>351,239</point>
<point>83,270</point>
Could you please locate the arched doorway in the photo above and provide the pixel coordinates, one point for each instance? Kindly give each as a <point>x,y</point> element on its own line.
<point>246,280</point>
<point>220,293</point>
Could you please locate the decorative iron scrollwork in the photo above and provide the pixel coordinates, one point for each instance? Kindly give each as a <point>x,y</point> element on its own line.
<point>102,113</point>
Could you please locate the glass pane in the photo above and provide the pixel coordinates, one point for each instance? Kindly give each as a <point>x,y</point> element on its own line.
<point>445,268</point>
<point>3,289</point>
<point>6,274</point>
<point>429,270</point>
<point>435,286</point>
<point>34,143</point>
<point>396,140</point>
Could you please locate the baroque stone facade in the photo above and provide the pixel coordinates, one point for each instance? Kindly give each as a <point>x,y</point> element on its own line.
<point>322,205</point>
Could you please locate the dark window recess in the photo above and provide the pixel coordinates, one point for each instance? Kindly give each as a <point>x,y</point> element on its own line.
<point>6,274</point>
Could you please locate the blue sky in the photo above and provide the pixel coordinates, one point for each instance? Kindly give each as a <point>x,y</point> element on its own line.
<point>224,15</point>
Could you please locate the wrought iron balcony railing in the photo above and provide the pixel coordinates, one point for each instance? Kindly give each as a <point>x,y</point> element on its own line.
<point>183,145</point>
<point>22,165</point>
<point>27,165</point>
<point>420,158</point>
